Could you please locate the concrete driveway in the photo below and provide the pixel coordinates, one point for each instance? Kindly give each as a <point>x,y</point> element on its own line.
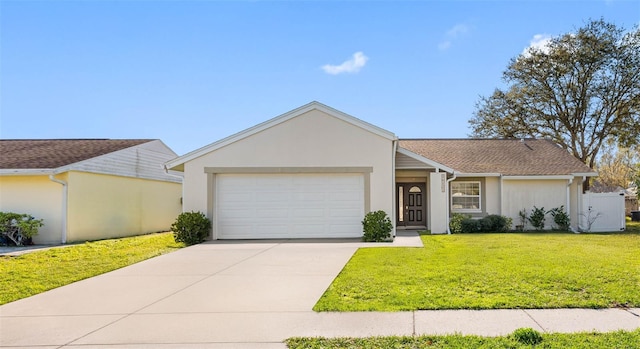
<point>246,294</point>
<point>212,294</point>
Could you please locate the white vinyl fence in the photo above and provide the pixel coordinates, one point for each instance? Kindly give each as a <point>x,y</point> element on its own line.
<point>602,212</point>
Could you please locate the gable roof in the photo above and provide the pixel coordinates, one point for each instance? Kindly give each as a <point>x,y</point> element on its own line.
<point>54,153</point>
<point>177,163</point>
<point>508,157</point>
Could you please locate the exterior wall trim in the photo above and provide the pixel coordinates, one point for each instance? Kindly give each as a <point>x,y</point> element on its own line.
<point>563,177</point>
<point>267,170</point>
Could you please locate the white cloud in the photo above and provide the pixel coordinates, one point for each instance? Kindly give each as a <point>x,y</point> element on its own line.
<point>457,30</point>
<point>444,45</point>
<point>352,65</point>
<point>451,34</point>
<point>538,42</point>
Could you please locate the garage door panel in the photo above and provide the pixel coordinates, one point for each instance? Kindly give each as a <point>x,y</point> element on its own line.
<point>289,205</point>
<point>272,213</point>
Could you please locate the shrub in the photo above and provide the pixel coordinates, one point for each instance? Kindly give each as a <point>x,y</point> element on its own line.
<point>522,219</point>
<point>495,223</point>
<point>470,225</point>
<point>191,228</point>
<point>527,336</point>
<point>455,223</point>
<point>376,227</point>
<point>489,224</point>
<point>19,228</point>
<point>561,218</point>
<point>537,218</point>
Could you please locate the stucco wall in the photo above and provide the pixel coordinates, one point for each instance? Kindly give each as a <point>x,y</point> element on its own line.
<point>104,206</point>
<point>492,195</point>
<point>37,196</point>
<point>519,194</point>
<point>313,139</point>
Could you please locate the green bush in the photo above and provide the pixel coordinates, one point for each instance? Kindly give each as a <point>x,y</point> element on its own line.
<point>522,219</point>
<point>537,218</point>
<point>455,223</point>
<point>489,224</point>
<point>18,228</point>
<point>561,218</point>
<point>470,225</point>
<point>191,228</point>
<point>376,227</point>
<point>527,336</point>
<point>495,223</point>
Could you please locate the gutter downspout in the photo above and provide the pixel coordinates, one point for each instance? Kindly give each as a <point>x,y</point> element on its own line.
<point>393,186</point>
<point>65,187</point>
<point>568,207</point>
<point>580,202</point>
<point>448,203</point>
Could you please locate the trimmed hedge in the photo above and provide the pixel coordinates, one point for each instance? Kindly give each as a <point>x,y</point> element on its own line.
<point>464,224</point>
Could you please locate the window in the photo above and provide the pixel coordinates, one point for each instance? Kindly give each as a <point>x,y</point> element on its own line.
<point>465,197</point>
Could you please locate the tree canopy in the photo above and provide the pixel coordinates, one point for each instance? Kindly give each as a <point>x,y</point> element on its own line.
<point>579,90</point>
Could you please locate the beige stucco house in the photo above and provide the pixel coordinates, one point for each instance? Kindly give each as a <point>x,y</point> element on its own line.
<point>89,189</point>
<point>315,172</point>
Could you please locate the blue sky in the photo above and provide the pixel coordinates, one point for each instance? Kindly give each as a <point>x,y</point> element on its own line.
<point>193,72</point>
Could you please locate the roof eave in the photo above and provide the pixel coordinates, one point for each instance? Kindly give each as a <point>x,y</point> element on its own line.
<point>26,171</point>
<point>425,160</point>
<point>482,174</point>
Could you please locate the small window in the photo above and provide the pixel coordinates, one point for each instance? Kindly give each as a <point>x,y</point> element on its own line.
<point>465,197</point>
<point>415,189</point>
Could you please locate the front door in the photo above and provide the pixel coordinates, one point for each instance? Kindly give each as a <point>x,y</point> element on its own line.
<point>411,204</point>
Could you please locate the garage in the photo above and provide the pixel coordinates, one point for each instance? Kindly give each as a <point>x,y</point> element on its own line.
<point>277,206</point>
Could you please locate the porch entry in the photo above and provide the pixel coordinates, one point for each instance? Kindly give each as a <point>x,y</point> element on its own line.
<point>411,204</point>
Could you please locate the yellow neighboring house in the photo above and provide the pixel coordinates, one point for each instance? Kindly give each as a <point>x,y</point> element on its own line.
<point>90,189</point>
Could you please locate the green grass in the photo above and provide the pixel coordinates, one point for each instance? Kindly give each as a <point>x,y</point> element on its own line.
<point>39,271</point>
<point>633,227</point>
<point>492,271</point>
<point>618,340</point>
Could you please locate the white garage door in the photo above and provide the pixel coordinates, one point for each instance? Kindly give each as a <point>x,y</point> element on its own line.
<point>260,206</point>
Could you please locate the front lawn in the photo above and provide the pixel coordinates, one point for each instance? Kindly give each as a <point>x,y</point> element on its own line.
<point>618,340</point>
<point>39,271</point>
<point>492,271</point>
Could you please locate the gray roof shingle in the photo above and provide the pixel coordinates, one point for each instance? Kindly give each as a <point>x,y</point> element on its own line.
<point>54,153</point>
<point>510,157</point>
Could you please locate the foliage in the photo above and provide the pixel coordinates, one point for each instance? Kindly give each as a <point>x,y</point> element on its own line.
<point>527,336</point>
<point>494,223</point>
<point>618,167</point>
<point>578,90</point>
<point>376,227</point>
<point>585,340</point>
<point>191,228</point>
<point>537,218</point>
<point>470,225</point>
<point>560,218</point>
<point>523,218</point>
<point>39,271</point>
<point>487,224</point>
<point>455,223</point>
<point>19,227</point>
<point>492,271</point>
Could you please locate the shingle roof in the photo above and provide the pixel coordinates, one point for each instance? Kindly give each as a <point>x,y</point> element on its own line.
<point>53,153</point>
<point>510,157</point>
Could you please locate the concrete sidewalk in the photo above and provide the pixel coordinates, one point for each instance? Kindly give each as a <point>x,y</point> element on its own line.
<point>250,294</point>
